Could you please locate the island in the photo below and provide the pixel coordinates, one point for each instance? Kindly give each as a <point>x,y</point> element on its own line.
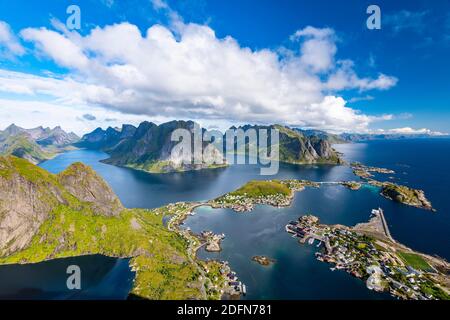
<point>392,191</point>
<point>406,195</point>
<point>263,260</point>
<point>368,252</point>
<point>364,171</point>
<point>352,185</point>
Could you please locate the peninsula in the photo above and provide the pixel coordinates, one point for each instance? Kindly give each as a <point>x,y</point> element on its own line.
<point>368,252</point>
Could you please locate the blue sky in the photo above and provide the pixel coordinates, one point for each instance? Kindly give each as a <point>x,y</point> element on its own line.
<point>336,74</point>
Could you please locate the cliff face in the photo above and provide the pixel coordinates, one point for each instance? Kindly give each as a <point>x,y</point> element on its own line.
<point>83,183</point>
<point>296,147</point>
<point>28,194</point>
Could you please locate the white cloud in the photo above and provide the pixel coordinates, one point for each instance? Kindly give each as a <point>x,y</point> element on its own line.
<point>362,98</point>
<point>9,44</point>
<point>346,78</point>
<point>190,73</point>
<point>57,46</point>
<point>319,48</point>
<point>159,4</point>
<point>404,20</point>
<point>411,131</point>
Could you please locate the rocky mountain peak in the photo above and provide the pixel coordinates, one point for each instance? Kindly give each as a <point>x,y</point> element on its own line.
<point>84,183</point>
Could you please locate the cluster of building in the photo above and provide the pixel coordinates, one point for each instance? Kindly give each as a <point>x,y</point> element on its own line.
<point>234,286</point>
<point>364,258</point>
<point>245,203</point>
<point>212,240</point>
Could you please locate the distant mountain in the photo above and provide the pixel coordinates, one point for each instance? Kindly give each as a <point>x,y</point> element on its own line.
<point>359,137</point>
<point>148,147</point>
<point>300,148</point>
<point>37,144</point>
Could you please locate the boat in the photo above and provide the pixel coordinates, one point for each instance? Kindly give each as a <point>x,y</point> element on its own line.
<point>289,229</point>
<point>311,240</point>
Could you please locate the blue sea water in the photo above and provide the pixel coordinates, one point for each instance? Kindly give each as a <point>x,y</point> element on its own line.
<point>101,278</point>
<point>296,274</point>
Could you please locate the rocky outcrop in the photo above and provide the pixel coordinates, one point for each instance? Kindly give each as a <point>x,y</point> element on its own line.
<point>83,183</point>
<point>406,195</point>
<point>263,260</point>
<point>28,194</point>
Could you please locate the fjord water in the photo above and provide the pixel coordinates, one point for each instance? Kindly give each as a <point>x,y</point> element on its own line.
<point>101,278</point>
<point>296,274</point>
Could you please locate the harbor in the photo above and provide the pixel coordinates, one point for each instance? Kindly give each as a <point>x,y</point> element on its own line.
<point>368,252</point>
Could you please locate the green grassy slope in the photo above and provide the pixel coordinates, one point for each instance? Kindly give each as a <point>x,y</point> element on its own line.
<point>74,228</point>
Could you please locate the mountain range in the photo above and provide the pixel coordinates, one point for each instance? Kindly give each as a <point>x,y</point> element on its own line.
<point>37,144</point>
<point>149,147</point>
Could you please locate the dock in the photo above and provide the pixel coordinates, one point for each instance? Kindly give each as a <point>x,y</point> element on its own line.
<point>380,213</point>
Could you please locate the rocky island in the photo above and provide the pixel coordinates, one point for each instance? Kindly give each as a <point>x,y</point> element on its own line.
<point>263,260</point>
<point>352,185</point>
<point>399,193</point>
<point>406,195</point>
<point>364,171</point>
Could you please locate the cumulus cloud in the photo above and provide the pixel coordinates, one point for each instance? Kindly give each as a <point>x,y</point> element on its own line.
<point>9,44</point>
<point>186,71</point>
<point>319,48</point>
